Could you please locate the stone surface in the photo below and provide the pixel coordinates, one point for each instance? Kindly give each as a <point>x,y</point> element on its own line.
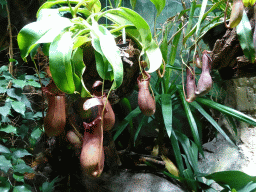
<point>220,155</point>
<point>141,182</point>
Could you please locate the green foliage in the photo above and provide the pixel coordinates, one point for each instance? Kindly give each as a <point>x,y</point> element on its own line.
<point>244,33</point>
<point>65,35</point>
<point>16,104</point>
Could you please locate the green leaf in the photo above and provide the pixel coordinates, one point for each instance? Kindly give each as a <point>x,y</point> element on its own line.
<point>15,93</point>
<point>22,168</point>
<point>126,121</point>
<point>159,4</point>
<point>227,110</point>
<point>130,17</point>
<point>111,52</point>
<point>248,3</point>
<point>133,3</point>
<point>167,112</point>
<point>4,149</point>
<point>244,33</point>
<point>204,3</point>
<point>191,121</point>
<point>22,188</point>
<point>49,187</point>
<point>177,152</point>
<point>191,156</point>
<point>8,129</point>
<point>235,179</point>
<point>18,177</point>
<point>211,120</point>
<point>60,62</point>
<point>4,184</point>
<point>34,84</point>
<point>5,164</point>
<point>142,122</point>
<point>6,109</point>
<point>19,107</point>
<point>78,69</point>
<point>19,83</point>
<point>36,133</point>
<point>42,31</point>
<point>21,153</point>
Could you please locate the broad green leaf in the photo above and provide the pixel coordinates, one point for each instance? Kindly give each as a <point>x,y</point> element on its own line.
<point>154,56</point>
<point>22,188</point>
<point>36,133</point>
<point>60,62</point>
<point>21,153</point>
<point>227,110</point>
<point>191,120</point>
<point>34,84</point>
<point>23,130</point>
<point>43,31</point>
<point>22,168</point>
<point>6,109</point>
<point>167,112</point>
<point>251,186</point>
<point>126,121</point>
<point>159,4</point>
<point>8,129</point>
<point>78,68</point>
<point>244,33</point>
<point>4,164</point>
<point>235,179</point>
<point>19,83</point>
<point>211,120</point>
<point>4,184</point>
<point>19,107</point>
<point>148,44</point>
<point>15,93</point>
<point>110,50</point>
<point>4,149</point>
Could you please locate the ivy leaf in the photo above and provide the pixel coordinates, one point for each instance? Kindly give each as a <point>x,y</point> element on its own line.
<point>21,153</point>
<point>22,168</point>
<point>5,164</point>
<point>244,33</point>
<point>19,83</point>
<point>4,149</point>
<point>19,107</point>
<point>34,84</point>
<point>18,177</point>
<point>15,93</point>
<point>6,109</point>
<point>8,129</point>
<point>22,188</point>
<point>4,184</point>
